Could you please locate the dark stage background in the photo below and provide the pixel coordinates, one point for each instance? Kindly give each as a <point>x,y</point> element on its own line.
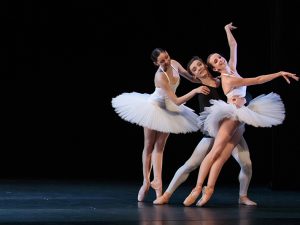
<point>63,62</point>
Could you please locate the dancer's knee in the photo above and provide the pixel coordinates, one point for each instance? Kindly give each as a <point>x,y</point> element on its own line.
<point>189,167</point>
<point>215,155</point>
<point>247,168</point>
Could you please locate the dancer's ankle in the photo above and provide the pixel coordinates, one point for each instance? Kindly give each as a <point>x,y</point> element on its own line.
<point>157,186</point>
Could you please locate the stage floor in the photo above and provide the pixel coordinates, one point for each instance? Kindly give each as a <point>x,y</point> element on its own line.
<point>90,202</point>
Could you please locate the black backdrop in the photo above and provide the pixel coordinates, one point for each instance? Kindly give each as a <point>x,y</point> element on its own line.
<point>64,62</point>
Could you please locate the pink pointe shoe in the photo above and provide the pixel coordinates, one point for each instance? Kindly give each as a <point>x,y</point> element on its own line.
<point>157,187</point>
<point>143,191</point>
<point>164,199</point>
<point>192,196</point>
<point>207,193</point>
<point>244,200</point>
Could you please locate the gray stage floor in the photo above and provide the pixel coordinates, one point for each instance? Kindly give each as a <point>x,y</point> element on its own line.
<point>91,202</point>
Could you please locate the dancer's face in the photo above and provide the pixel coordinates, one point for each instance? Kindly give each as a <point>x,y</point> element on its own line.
<point>164,60</point>
<point>217,61</point>
<point>198,68</point>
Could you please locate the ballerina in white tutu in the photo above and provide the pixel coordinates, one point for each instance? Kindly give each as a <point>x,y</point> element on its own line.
<point>159,113</point>
<point>222,120</point>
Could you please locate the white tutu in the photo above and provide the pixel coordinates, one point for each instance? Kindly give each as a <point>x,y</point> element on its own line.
<point>262,111</point>
<point>155,113</point>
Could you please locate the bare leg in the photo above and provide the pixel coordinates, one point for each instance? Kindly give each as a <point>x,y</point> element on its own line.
<point>149,139</point>
<point>226,130</point>
<point>157,161</point>
<point>224,156</point>
<point>217,166</point>
<point>242,156</point>
<point>183,172</point>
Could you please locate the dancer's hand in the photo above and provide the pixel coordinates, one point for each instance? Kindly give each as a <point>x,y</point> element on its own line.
<point>287,75</point>
<point>230,26</point>
<point>202,89</point>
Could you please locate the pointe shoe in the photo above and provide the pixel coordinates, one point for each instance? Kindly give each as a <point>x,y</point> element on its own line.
<point>157,188</point>
<point>164,199</point>
<point>192,196</point>
<point>143,192</point>
<point>244,200</point>
<point>207,193</point>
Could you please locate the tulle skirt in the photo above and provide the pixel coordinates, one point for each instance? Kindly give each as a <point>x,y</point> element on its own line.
<point>263,111</point>
<point>155,113</point>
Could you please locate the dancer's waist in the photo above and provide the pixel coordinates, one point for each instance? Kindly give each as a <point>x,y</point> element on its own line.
<point>237,100</point>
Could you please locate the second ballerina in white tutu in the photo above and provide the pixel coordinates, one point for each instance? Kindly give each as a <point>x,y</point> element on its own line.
<point>159,113</point>
<point>222,119</point>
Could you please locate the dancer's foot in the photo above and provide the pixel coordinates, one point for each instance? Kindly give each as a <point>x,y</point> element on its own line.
<point>192,196</point>
<point>157,186</point>
<point>143,191</point>
<point>207,193</point>
<point>164,199</point>
<point>244,200</point>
